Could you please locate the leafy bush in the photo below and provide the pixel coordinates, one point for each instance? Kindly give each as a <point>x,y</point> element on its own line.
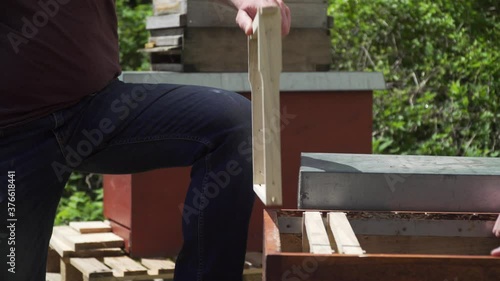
<point>81,199</point>
<point>441,61</point>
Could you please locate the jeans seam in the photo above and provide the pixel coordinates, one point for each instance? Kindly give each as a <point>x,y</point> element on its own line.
<point>161,137</point>
<point>59,143</point>
<point>201,222</point>
<point>58,138</point>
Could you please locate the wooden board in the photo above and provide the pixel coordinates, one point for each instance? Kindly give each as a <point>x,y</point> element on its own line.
<point>91,267</point>
<point>124,266</point>
<point>90,226</point>
<point>170,7</point>
<point>158,266</point>
<point>64,250</point>
<point>303,50</point>
<point>175,67</point>
<point>314,236</point>
<point>166,21</point>
<point>264,68</point>
<point>342,235</point>
<point>53,277</point>
<point>69,272</point>
<point>373,266</point>
<point>381,267</point>
<point>169,40</point>
<point>78,241</point>
<point>166,32</point>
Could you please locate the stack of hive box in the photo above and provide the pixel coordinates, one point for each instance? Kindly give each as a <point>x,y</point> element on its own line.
<point>202,36</point>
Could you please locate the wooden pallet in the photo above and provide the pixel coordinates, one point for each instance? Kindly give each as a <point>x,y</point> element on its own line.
<point>89,251</point>
<point>370,246</point>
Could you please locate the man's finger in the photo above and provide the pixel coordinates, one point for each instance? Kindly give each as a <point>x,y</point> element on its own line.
<point>285,17</point>
<point>244,21</point>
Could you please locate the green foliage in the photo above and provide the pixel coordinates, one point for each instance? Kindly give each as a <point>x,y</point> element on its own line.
<point>132,33</point>
<point>81,199</point>
<point>441,61</point>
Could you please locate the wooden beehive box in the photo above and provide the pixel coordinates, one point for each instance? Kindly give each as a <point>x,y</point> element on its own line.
<point>202,36</point>
<point>333,246</point>
<point>407,218</point>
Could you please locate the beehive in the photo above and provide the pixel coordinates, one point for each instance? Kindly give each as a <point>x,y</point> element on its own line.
<point>202,36</point>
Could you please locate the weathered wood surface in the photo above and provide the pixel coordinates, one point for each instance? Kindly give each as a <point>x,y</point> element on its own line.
<point>302,50</point>
<point>399,183</point>
<point>90,226</point>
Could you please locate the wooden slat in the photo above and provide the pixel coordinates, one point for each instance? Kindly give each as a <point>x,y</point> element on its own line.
<point>170,7</point>
<point>158,266</point>
<point>431,245</point>
<point>384,267</point>
<point>64,250</point>
<point>175,67</point>
<point>60,246</point>
<point>91,267</point>
<point>79,241</point>
<point>167,31</point>
<point>252,274</point>
<point>171,50</point>
<point>264,67</point>
<point>343,236</point>
<point>53,260</point>
<point>254,258</point>
<point>172,40</point>
<point>165,21</point>
<point>304,50</point>
<point>90,227</point>
<point>314,236</point>
<point>69,272</point>
<point>52,276</point>
<point>125,266</point>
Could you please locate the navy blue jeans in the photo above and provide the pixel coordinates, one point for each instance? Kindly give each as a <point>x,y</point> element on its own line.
<point>128,128</point>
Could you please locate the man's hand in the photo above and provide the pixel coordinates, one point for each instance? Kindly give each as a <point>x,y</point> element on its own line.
<point>496,232</point>
<point>247,9</point>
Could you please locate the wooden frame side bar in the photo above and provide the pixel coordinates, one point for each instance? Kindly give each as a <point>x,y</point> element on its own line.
<point>314,235</point>
<point>342,234</point>
<point>264,68</point>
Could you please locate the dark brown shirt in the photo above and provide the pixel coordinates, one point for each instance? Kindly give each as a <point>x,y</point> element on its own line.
<point>53,53</point>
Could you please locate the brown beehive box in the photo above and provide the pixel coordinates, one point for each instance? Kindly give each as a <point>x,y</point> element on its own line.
<point>202,36</point>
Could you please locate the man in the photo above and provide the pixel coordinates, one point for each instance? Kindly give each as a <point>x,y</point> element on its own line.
<point>62,109</point>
